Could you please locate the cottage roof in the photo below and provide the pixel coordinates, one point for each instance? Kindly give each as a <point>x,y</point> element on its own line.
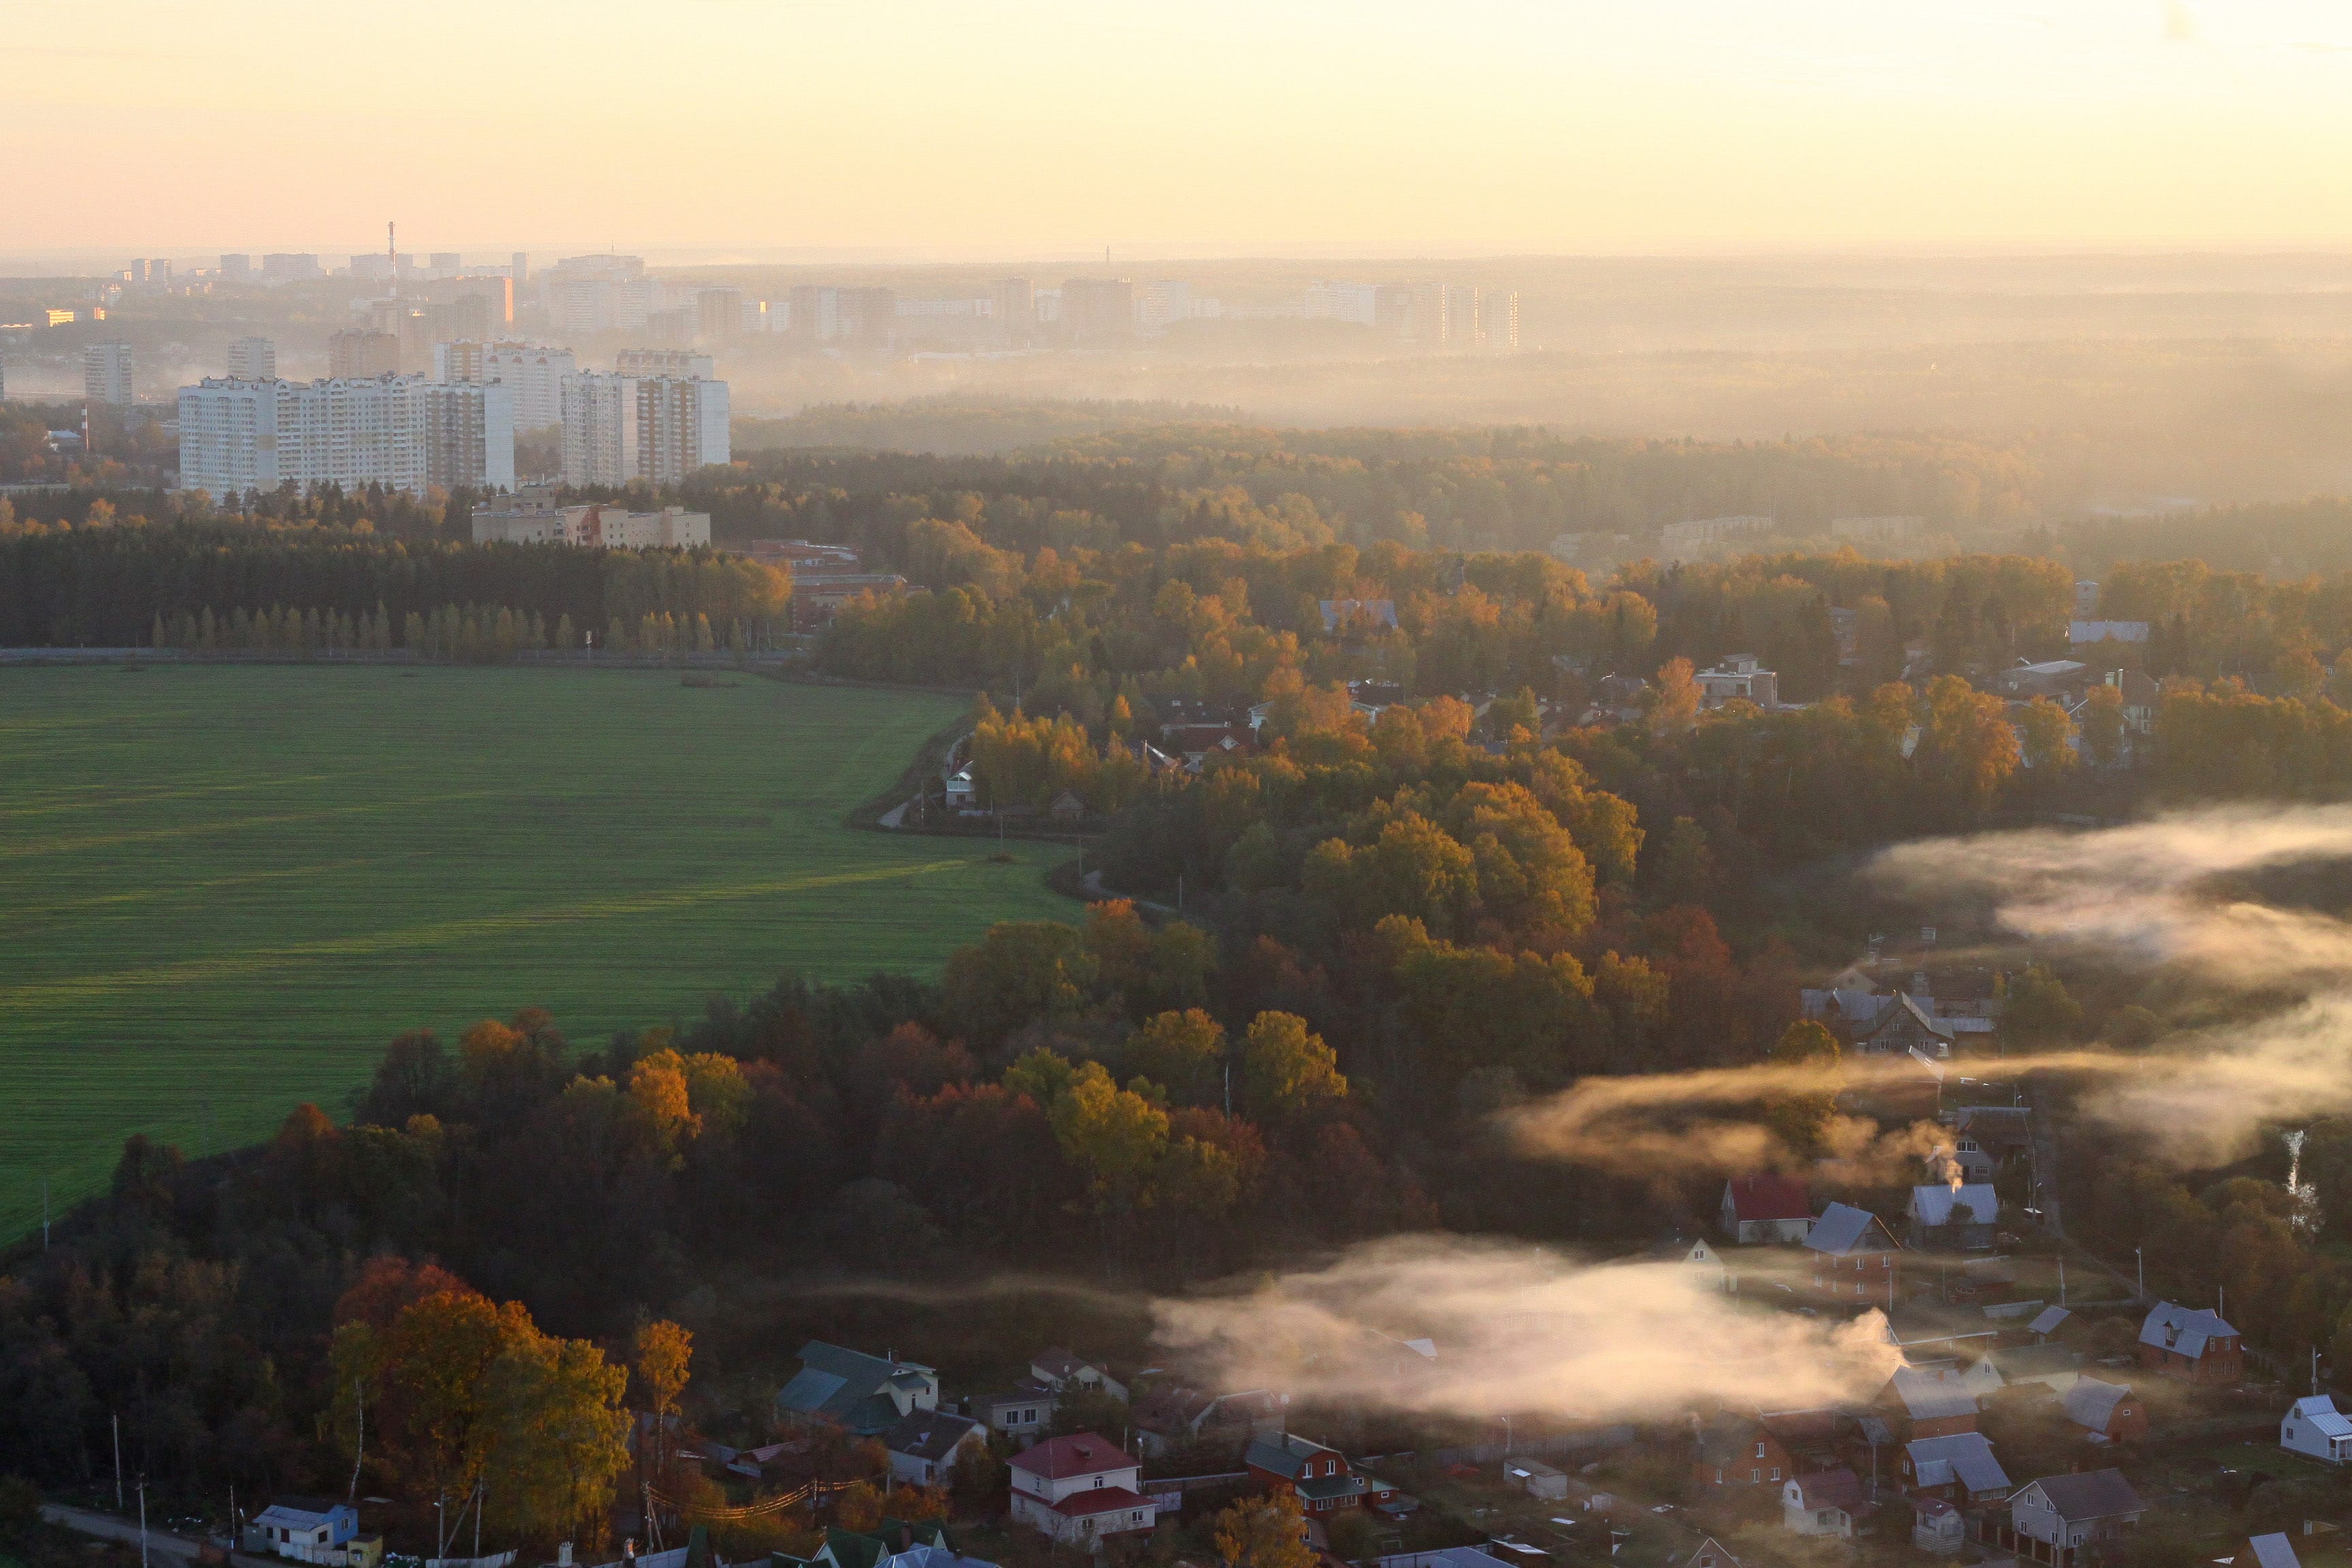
<point>2008,1126</point>
<point>1902,1004</point>
<point>2092,1402</point>
<point>929,1434</point>
<point>1022,1393</point>
<point>1056,1362</point>
<point>1087,1501</point>
<point>2319,1409</point>
<point>1965,1458</point>
<point>299,1513</point>
<point>2175,1328</point>
<point>2091,1494</point>
<point>1934,1203</point>
<point>1844,1228</point>
<point>2048,1321</point>
<point>1928,1395</point>
<point>842,1386</point>
<point>1767,1197</point>
<point>2274,1550</point>
<point>1711,1554</point>
<point>1286,1453</point>
<point>1831,1488</point>
<point>1080,1454</point>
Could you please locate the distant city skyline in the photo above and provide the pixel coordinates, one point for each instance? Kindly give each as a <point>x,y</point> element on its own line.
<point>1040,130</point>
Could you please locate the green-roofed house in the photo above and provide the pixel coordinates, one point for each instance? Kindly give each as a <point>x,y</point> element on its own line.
<point>848,1390</point>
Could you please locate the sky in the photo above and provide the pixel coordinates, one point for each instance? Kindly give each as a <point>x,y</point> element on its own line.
<point>945,127</point>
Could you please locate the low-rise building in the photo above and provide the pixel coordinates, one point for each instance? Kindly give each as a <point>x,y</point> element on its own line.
<point>2314,1427</point>
<point>314,1530</point>
<point>1079,1490</point>
<point>1959,1468</point>
<point>1321,1478</point>
<point>1853,1257</point>
<point>2060,1515</point>
<point>1939,1527</point>
<point>1766,1208</point>
<point>2191,1345</point>
<point>1172,1418</point>
<point>850,1391</point>
<point>2109,1412</point>
<point>1927,1401</point>
<point>1739,678</point>
<point>532,518</point>
<point>1957,1218</point>
<point>926,1445</point>
<point>1021,1412</point>
<point>1826,1504</point>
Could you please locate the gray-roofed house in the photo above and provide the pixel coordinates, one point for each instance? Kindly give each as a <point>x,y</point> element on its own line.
<point>2190,1345</point>
<point>312,1530</point>
<point>1902,1026</point>
<point>2314,1426</point>
<point>859,1394</point>
<point>1938,1218</point>
<point>1939,1527</point>
<point>1321,1478</point>
<point>2106,1412</point>
<point>926,1445</point>
<point>1959,1468</point>
<point>1852,1255</point>
<point>2048,1324</point>
<point>2272,1550</point>
<point>1021,1412</point>
<point>1066,1372</point>
<point>1925,1401</point>
<point>2062,1514</point>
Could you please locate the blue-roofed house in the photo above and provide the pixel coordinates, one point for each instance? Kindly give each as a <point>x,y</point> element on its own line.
<point>862,1395</point>
<point>2192,1344</point>
<point>1852,1255</point>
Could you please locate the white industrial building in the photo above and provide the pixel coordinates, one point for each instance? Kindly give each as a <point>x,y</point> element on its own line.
<point>621,427</point>
<point>531,517</point>
<point>404,433</point>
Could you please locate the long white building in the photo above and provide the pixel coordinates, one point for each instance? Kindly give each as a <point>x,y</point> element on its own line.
<point>658,427</point>
<point>532,371</point>
<point>531,517</point>
<point>403,432</point>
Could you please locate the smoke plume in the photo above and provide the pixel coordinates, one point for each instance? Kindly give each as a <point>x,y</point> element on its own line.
<point>1519,1327</point>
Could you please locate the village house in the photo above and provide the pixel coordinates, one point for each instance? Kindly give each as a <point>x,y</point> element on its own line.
<point>1321,1478</point>
<point>893,1543</point>
<point>1959,1468</point>
<point>1173,1417</point>
<point>2313,1426</point>
<point>1989,1139</point>
<point>1920,1402</point>
<point>858,1393</point>
<point>1953,1218</point>
<point>1711,1554</point>
<point>1696,1255</point>
<point>1020,1412</point>
<point>2272,1551</point>
<point>2053,1323</point>
<point>1939,1527</point>
<point>1828,1504</point>
<point>1065,1372</point>
<point>1767,1208</point>
<point>1737,1451</point>
<point>1537,1480</point>
<point>314,1530</point>
<point>2106,1412</point>
<point>2052,1520</point>
<point>2192,1344</point>
<point>1852,1255</point>
<point>926,1445</point>
<point>1079,1490</point>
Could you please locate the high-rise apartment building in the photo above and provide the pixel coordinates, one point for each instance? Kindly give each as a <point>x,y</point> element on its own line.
<point>253,359</point>
<point>108,374</point>
<point>598,293</point>
<point>402,432</point>
<point>621,427</point>
<point>519,267</point>
<point>1357,302</point>
<point>1160,305</point>
<point>1498,322</point>
<point>290,267</point>
<point>1457,317</point>
<point>360,353</point>
<point>236,269</point>
<point>717,314</point>
<point>532,373</point>
<point>1097,312</point>
<point>149,270</point>
<point>852,318</point>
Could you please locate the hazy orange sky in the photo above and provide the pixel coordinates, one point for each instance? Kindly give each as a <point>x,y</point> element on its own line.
<point>1033,127</point>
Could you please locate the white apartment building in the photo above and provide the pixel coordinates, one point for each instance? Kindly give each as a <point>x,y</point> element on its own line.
<point>533,519</point>
<point>108,373</point>
<point>405,433</point>
<point>588,294</point>
<point>532,373</point>
<point>621,427</point>
<point>253,359</point>
<point>1162,303</point>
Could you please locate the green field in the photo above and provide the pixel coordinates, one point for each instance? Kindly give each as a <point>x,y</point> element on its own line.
<point>223,888</point>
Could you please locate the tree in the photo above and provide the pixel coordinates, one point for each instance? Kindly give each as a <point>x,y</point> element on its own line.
<point>2045,729</point>
<point>661,1355</point>
<point>1287,1067</point>
<point>2039,1011</point>
<point>1968,746</point>
<point>2103,725</point>
<point>1676,709</point>
<point>1182,1052</point>
<point>1262,1532</point>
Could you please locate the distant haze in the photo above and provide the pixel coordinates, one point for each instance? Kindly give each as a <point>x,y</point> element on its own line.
<point>1051,127</point>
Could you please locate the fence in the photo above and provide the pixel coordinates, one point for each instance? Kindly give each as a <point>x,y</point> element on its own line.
<point>499,1561</point>
<point>1531,1447</point>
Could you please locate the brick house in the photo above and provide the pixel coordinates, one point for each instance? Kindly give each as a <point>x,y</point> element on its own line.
<point>1735,1450</point>
<point>2107,1411</point>
<point>1321,1478</point>
<point>1919,1402</point>
<point>1854,1258</point>
<point>2191,1346</point>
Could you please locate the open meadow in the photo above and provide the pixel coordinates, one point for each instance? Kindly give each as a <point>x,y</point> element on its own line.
<point>222,890</point>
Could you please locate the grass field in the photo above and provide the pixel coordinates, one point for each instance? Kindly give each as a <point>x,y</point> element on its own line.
<point>223,888</point>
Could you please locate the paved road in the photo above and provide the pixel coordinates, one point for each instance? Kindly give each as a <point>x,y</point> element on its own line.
<point>160,1542</point>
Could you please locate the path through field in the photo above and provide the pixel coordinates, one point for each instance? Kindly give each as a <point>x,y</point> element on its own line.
<point>223,888</point>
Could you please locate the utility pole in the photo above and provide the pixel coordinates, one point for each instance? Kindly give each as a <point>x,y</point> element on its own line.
<point>359,1392</point>
<point>45,1214</point>
<point>2140,1263</point>
<point>2061,1279</point>
<point>116,1420</point>
<point>142,1521</point>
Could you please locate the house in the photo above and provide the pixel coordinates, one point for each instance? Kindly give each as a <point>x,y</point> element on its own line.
<point>1065,1372</point>
<point>2192,1346</point>
<point>1920,1402</point>
<point>2312,1426</point>
<point>2054,1367</point>
<point>1939,1527</point>
<point>1020,1412</point>
<point>2050,678</point>
<point>1358,615</point>
<point>1852,1255</point>
<point>1537,1478</point>
<point>962,791</point>
<point>1169,1418</point>
<point>1959,1468</point>
<point>314,1530</point>
<point>1988,1140</point>
<point>1067,806</point>
<point>2054,1518</point>
<point>1696,1255</point>
<point>2272,1550</point>
<point>1824,1504</point>
<point>858,1393</point>
<point>1934,1332</point>
<point>1985,1282</point>
<point>1811,1439</point>
<point>1711,1554</point>
<point>893,1543</point>
<point>1321,1478</point>
<point>1902,1025</point>
<point>1737,1451</point>
<point>1764,1208</point>
<point>2142,697</point>
<point>1957,1219</point>
<point>1079,1489</point>
<point>926,1445</point>
<point>2106,1412</point>
<point>2051,1324</point>
<point>1739,678</point>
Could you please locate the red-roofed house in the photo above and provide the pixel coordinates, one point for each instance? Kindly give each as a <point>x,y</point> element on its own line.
<point>1079,1489</point>
<point>1766,1208</point>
